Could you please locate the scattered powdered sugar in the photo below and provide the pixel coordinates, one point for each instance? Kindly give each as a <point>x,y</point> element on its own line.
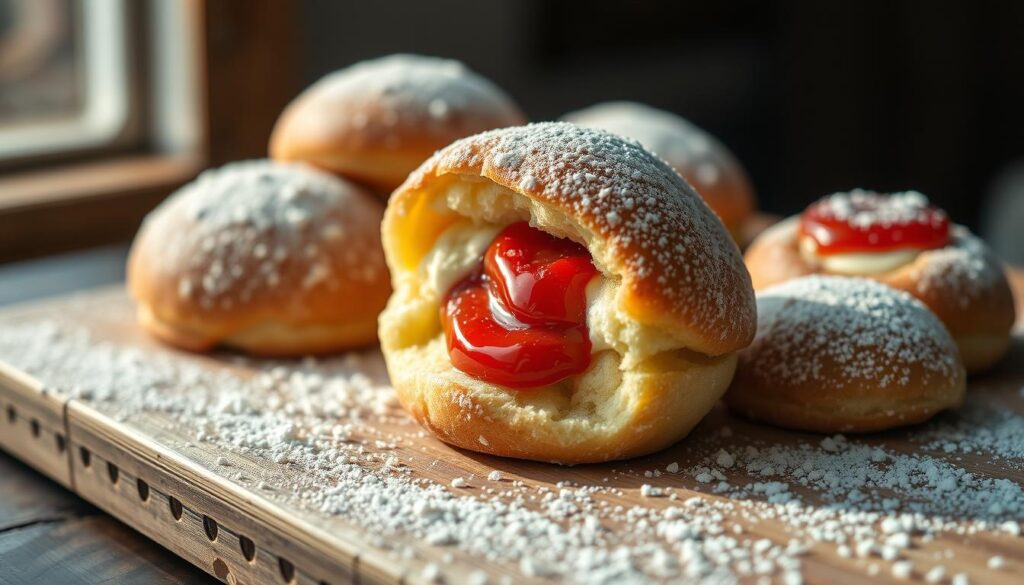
<point>244,402</point>
<point>979,429</point>
<point>865,209</point>
<point>235,233</point>
<point>322,425</point>
<point>670,249</point>
<point>810,327</point>
<point>855,477</point>
<point>963,272</point>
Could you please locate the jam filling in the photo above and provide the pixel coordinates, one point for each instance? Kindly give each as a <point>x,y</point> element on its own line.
<point>520,320</point>
<point>862,222</point>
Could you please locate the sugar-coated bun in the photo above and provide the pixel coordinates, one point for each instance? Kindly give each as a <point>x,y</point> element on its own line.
<point>963,283</point>
<point>699,157</point>
<point>669,310</point>
<point>273,259</point>
<point>376,121</point>
<point>845,354</point>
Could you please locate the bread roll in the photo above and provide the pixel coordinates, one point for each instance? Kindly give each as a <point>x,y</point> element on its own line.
<point>667,312</point>
<point>845,354</point>
<point>269,258</point>
<point>699,157</point>
<point>376,121</point>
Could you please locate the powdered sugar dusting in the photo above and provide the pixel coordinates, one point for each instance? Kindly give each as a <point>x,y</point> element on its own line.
<point>439,96</point>
<point>813,327</point>
<point>979,429</point>
<point>865,209</point>
<point>235,233</point>
<point>698,156</point>
<point>962,272</point>
<point>868,478</point>
<point>672,250</point>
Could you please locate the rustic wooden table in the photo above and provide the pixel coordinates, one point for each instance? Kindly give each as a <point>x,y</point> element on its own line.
<point>48,534</point>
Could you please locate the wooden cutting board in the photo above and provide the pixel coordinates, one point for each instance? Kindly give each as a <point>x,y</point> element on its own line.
<point>249,519</point>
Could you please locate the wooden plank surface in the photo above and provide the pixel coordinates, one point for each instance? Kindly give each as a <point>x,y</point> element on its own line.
<point>276,505</point>
<point>48,535</point>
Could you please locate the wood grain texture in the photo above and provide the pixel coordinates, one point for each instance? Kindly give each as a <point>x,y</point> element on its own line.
<point>253,499</point>
<point>47,535</point>
<point>32,426</point>
<point>90,549</point>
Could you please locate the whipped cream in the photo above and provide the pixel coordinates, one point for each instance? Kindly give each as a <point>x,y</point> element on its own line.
<point>458,251</point>
<point>855,263</point>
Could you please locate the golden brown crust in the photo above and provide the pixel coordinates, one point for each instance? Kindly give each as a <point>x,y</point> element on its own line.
<point>272,259</point>
<point>839,354</point>
<point>731,197</point>
<point>376,121</point>
<point>581,421</point>
<point>798,409</point>
<point>700,158</point>
<point>673,292</point>
<point>773,257</point>
<point>963,284</point>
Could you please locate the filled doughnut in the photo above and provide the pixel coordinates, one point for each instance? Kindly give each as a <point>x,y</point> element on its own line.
<point>560,294</point>
<point>845,354</point>
<point>273,259</point>
<point>699,157</point>
<point>906,243</point>
<point>376,121</point>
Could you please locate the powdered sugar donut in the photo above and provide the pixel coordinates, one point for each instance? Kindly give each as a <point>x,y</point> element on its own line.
<point>616,266</point>
<point>275,259</point>
<point>376,121</point>
<point>904,242</point>
<point>699,157</point>
<point>845,354</point>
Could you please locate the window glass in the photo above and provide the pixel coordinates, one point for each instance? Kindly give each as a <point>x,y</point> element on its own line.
<point>63,75</point>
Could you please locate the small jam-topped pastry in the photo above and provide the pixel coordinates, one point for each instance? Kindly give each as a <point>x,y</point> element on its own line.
<point>560,294</point>
<point>903,241</point>
<point>520,321</point>
<point>862,232</point>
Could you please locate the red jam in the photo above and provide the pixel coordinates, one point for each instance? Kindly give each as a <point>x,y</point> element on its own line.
<point>520,320</point>
<point>870,222</point>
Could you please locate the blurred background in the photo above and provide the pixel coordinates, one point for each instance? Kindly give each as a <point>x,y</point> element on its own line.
<point>107,105</point>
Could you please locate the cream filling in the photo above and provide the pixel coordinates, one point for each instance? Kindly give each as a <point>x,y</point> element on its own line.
<point>459,251</point>
<point>855,263</point>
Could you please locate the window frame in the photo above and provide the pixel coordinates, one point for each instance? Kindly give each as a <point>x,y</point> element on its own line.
<point>196,120</point>
<point>104,46</point>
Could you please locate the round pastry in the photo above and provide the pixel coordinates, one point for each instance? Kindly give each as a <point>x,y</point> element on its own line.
<point>376,121</point>
<point>845,354</point>
<point>700,158</point>
<point>273,259</point>
<point>904,242</point>
<point>561,295</point>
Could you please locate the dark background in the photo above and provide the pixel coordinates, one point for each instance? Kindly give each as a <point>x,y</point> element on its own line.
<point>813,97</point>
